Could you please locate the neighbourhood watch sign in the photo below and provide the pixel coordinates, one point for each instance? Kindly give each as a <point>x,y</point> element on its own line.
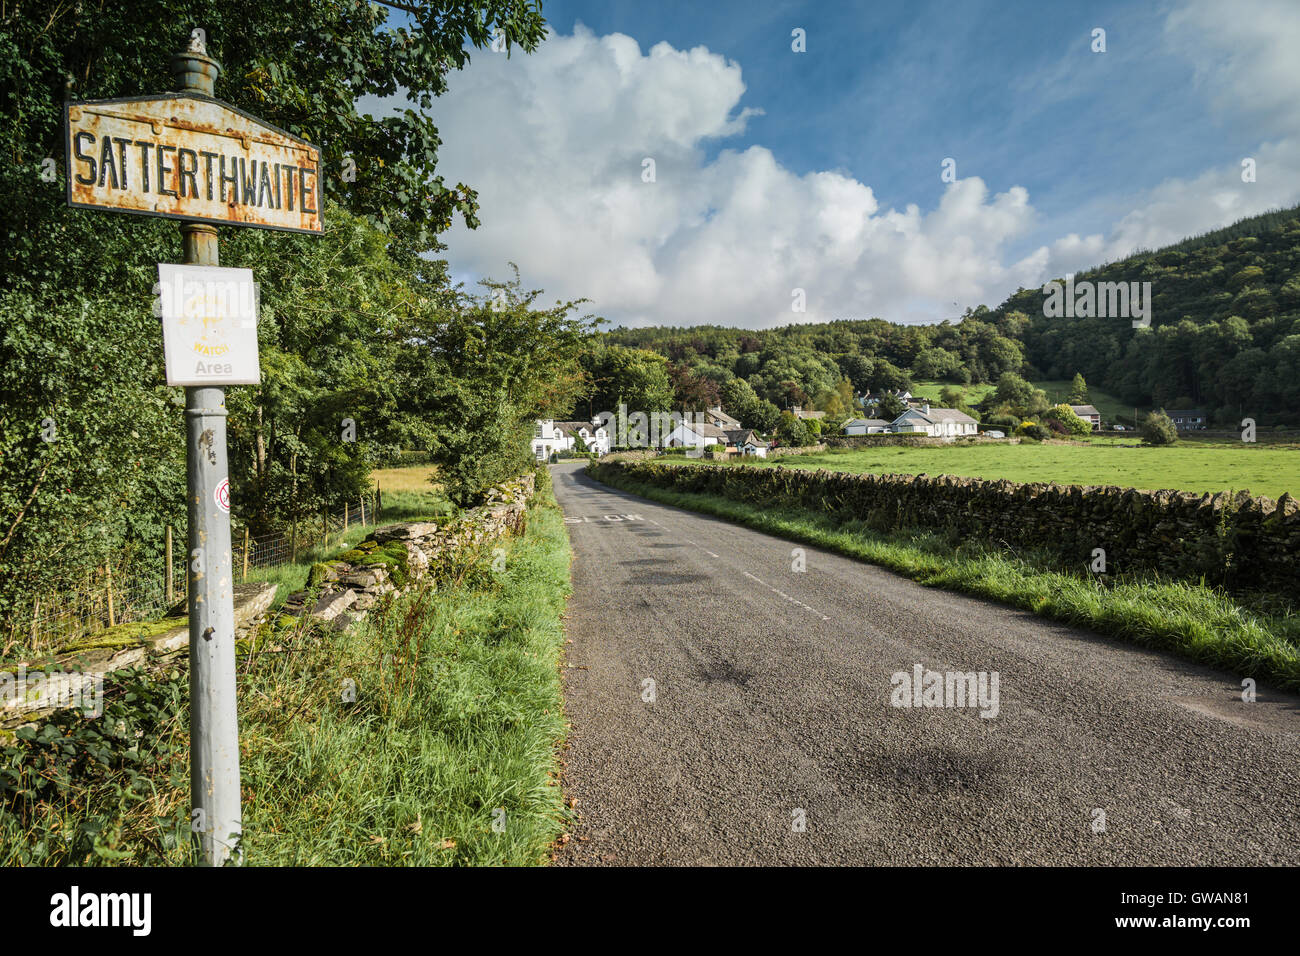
<point>209,318</point>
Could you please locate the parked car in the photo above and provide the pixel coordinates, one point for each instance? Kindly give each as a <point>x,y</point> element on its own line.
<point>994,433</point>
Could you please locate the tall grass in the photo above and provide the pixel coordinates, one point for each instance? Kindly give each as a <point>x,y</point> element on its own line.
<point>401,741</point>
<point>455,727</point>
<point>1197,622</point>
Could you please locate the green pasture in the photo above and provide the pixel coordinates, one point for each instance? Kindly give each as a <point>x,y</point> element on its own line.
<point>1198,465</point>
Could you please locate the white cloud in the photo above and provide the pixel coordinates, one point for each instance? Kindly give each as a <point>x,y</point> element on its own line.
<point>554,144</point>
<point>1245,55</point>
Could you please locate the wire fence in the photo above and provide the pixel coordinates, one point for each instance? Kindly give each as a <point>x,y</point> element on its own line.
<point>108,597</point>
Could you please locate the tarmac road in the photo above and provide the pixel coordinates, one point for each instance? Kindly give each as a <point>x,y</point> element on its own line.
<point>772,706</point>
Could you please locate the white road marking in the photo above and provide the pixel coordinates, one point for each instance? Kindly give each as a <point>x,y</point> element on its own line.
<point>687,540</point>
<point>787,597</point>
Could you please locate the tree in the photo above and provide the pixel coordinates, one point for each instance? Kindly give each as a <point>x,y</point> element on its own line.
<point>885,376</point>
<point>1072,423</point>
<point>936,363</point>
<point>890,406</point>
<point>692,392</point>
<point>1158,429</point>
<point>1013,390</point>
<point>763,417</point>
<point>637,378</point>
<point>793,432</point>
<point>1017,396</point>
<point>737,393</point>
<point>858,369</point>
<point>837,403</point>
<point>1078,391</point>
<point>953,398</point>
<point>87,432</point>
<point>486,371</point>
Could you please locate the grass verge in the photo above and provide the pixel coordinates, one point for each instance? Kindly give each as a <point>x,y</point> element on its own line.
<point>1196,622</point>
<point>447,754</point>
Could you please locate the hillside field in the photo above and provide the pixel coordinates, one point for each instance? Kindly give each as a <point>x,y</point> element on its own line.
<point>1197,466</point>
<point>1057,390</point>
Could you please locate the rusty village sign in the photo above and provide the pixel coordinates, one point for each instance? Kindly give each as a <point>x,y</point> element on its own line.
<point>192,157</point>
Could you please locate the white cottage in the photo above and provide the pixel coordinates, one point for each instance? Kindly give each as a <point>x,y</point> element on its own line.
<point>552,437</point>
<point>935,422</point>
<point>695,435</point>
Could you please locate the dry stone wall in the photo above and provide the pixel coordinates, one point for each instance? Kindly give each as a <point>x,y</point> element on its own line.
<point>398,556</point>
<point>1239,541</point>
<point>77,671</point>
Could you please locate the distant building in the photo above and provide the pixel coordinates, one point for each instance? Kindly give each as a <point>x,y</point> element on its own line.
<point>695,435</point>
<point>935,422</point>
<point>1089,414</point>
<point>1187,419</point>
<point>551,437</point>
<point>800,413</point>
<point>717,416</point>
<point>746,442</point>
<point>866,426</point>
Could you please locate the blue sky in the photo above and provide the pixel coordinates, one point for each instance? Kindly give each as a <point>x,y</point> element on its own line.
<point>780,170</point>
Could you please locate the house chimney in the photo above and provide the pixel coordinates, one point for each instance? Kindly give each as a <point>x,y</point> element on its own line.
<point>927,408</point>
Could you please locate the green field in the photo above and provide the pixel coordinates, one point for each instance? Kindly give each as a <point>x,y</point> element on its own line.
<point>973,393</point>
<point>1198,466</point>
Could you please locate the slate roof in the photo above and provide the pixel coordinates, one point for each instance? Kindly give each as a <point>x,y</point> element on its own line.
<point>744,436</point>
<point>936,415</point>
<point>722,416</point>
<point>705,429</point>
<point>571,428</point>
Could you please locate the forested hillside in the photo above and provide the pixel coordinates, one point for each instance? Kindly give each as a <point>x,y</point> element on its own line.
<point>1225,335</point>
<point>1225,323</point>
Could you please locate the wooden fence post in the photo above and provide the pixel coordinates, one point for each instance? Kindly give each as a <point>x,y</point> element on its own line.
<point>171,589</point>
<point>245,578</point>
<point>347,507</point>
<point>293,542</point>
<point>362,501</point>
<point>108,571</point>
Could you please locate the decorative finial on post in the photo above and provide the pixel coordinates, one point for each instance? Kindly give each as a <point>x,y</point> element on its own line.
<point>193,68</point>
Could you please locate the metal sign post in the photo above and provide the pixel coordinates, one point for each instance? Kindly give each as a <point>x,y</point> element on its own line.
<point>192,157</point>
<point>216,815</point>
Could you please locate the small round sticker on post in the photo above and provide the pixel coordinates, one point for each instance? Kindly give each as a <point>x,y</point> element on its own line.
<point>222,495</point>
